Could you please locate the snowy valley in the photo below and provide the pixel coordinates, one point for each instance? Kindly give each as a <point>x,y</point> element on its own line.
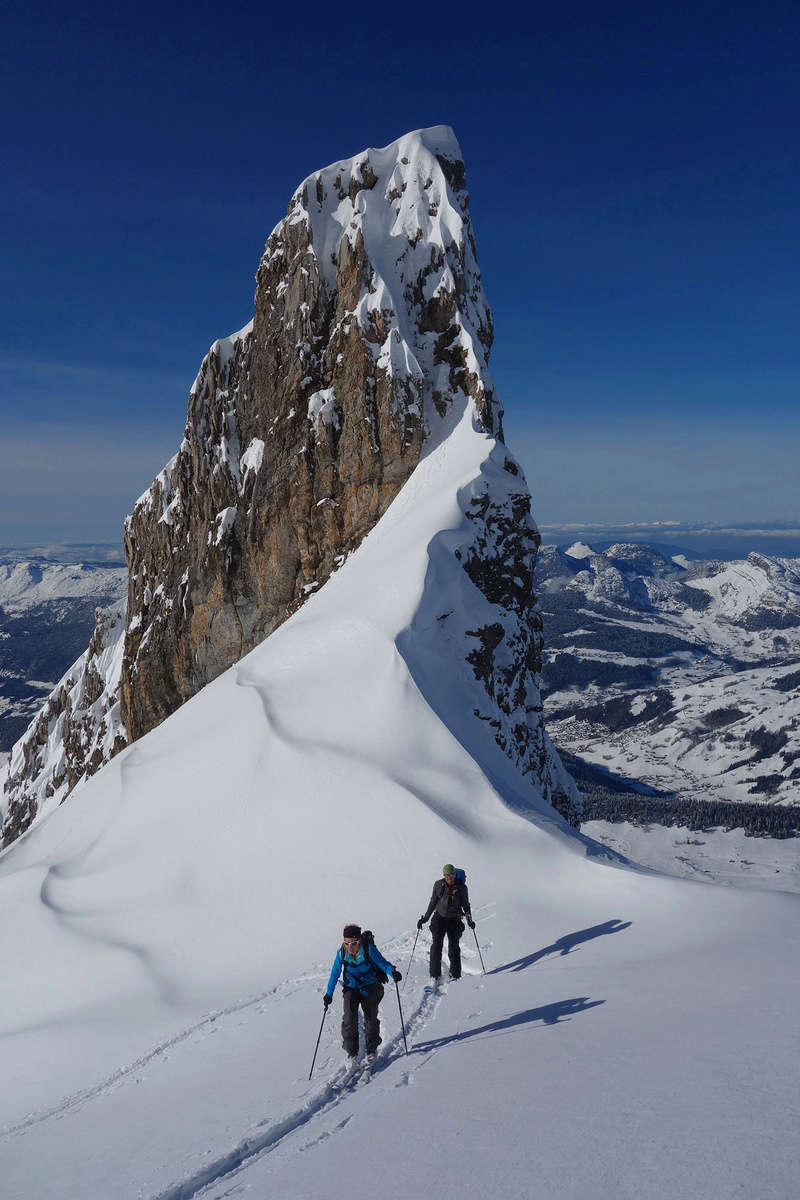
<point>681,676</point>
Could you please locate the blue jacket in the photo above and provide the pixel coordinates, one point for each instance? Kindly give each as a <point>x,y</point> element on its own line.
<point>359,972</point>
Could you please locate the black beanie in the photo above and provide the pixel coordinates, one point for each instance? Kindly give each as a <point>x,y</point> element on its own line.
<point>351,931</point>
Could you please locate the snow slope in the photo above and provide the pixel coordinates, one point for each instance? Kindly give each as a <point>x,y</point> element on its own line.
<point>172,928</point>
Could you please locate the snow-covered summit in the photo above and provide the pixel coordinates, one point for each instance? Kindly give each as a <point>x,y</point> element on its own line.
<point>408,207</point>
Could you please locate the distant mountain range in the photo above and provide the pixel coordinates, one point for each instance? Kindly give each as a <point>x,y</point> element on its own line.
<point>47,615</point>
<point>698,540</point>
<point>674,677</point>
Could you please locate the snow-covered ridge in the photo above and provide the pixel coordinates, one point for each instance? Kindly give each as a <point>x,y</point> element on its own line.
<point>24,584</point>
<point>743,591</point>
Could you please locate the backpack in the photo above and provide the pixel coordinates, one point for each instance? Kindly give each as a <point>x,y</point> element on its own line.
<point>368,940</point>
<point>461,877</point>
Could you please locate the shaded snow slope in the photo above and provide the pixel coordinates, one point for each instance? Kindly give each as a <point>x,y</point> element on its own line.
<point>172,928</point>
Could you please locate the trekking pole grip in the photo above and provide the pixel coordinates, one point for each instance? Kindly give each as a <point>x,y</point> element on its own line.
<point>408,968</point>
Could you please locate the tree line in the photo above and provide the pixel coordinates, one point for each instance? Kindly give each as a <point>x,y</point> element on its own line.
<point>757,820</point>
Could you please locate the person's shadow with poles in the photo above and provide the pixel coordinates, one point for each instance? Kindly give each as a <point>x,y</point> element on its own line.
<point>548,1014</point>
<point>564,945</point>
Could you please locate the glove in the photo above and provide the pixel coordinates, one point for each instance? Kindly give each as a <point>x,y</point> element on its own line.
<point>420,922</point>
<point>396,975</point>
<point>470,922</point>
<point>327,1000</point>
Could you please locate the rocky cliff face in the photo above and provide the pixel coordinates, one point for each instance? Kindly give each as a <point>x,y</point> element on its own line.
<point>302,428</point>
<point>371,334</point>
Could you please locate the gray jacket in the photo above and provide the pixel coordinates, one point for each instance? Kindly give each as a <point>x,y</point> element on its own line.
<point>449,902</point>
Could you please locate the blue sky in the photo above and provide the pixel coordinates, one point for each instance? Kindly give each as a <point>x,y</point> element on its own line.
<point>635,188</point>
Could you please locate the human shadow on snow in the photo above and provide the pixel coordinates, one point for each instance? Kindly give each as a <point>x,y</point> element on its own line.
<point>564,945</point>
<point>548,1014</point>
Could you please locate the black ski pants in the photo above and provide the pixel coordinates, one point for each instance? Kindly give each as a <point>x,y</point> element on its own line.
<point>353,999</point>
<point>453,927</point>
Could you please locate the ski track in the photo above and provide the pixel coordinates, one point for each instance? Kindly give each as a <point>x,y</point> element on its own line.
<point>343,1083</point>
<point>286,988</point>
<point>337,1089</point>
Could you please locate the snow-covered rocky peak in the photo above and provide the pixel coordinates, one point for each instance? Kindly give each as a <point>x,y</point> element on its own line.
<point>371,333</point>
<point>405,210</point>
<point>579,550</point>
<point>366,355</point>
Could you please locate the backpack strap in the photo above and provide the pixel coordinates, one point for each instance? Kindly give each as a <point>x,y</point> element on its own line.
<point>366,940</point>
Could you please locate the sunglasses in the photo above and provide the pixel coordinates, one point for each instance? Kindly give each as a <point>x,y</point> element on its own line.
<point>350,941</point>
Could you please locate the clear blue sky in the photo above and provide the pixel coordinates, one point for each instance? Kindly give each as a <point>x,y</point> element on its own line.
<point>635,184</point>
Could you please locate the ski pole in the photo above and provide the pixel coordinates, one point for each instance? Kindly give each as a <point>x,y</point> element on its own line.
<point>480,956</point>
<point>316,1048</point>
<point>408,968</point>
<point>402,1022</point>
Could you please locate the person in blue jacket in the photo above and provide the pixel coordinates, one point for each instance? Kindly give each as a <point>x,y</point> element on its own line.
<point>362,967</point>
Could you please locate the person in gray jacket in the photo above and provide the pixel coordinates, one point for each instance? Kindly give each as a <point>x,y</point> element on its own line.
<point>449,899</point>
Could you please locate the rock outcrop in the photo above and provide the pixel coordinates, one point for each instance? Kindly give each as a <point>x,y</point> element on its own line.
<point>371,333</point>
